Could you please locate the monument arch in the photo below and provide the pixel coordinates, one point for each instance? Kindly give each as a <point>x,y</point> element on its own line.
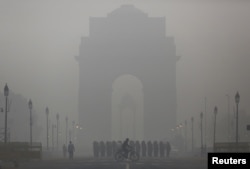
<point>127,42</point>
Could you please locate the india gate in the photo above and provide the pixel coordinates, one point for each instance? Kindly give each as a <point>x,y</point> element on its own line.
<point>127,78</point>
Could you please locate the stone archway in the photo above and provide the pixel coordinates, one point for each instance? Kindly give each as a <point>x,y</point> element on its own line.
<point>140,51</point>
<point>127,108</point>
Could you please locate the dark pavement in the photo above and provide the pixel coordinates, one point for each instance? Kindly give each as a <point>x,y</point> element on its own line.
<point>90,163</point>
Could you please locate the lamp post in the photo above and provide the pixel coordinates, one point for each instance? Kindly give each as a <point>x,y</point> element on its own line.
<point>185,135</point>
<point>78,129</point>
<point>70,134</point>
<point>66,132</point>
<point>237,100</point>
<point>228,111</point>
<point>57,129</point>
<point>53,126</point>
<point>73,130</point>
<point>47,117</point>
<point>30,107</point>
<point>6,93</point>
<point>205,121</point>
<point>192,128</point>
<point>215,113</point>
<point>121,136</point>
<point>180,127</point>
<point>177,131</point>
<point>201,116</point>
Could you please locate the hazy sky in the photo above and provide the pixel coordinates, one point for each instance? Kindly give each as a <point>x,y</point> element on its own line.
<point>39,39</point>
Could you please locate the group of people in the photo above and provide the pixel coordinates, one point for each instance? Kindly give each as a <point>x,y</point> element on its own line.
<point>70,149</point>
<point>145,149</point>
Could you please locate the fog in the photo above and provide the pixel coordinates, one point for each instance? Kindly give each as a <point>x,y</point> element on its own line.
<point>40,39</point>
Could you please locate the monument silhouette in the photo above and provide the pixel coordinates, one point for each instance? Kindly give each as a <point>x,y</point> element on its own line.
<point>127,42</point>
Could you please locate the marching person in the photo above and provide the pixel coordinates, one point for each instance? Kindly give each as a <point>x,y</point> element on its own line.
<point>64,150</point>
<point>71,149</point>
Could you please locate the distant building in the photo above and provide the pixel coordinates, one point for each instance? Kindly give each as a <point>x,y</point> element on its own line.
<point>127,43</point>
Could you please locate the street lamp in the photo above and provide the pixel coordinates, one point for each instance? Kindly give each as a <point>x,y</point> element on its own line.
<point>201,116</point>
<point>57,129</point>
<point>180,127</point>
<point>237,100</point>
<point>47,117</point>
<point>186,135</point>
<point>73,130</point>
<point>228,111</point>
<point>6,93</point>
<point>173,134</point>
<point>53,126</point>
<point>215,113</point>
<point>66,133</point>
<point>70,134</point>
<point>30,107</point>
<point>78,129</point>
<point>205,121</point>
<point>192,127</point>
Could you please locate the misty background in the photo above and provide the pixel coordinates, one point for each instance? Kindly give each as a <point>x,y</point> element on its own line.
<point>40,39</point>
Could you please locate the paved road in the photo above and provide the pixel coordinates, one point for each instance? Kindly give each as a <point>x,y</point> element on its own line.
<point>177,163</point>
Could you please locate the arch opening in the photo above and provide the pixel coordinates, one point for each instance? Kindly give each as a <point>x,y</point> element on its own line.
<point>127,108</point>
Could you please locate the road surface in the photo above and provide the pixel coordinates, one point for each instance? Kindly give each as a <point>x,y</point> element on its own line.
<point>171,163</point>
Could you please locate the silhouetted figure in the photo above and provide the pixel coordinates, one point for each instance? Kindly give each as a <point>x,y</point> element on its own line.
<point>98,149</point>
<point>119,144</point>
<point>125,147</point>
<point>143,148</point>
<point>95,149</point>
<point>108,148</point>
<point>114,147</point>
<point>162,149</point>
<point>138,147</point>
<point>150,148</point>
<point>71,150</point>
<point>132,144</point>
<point>168,148</point>
<point>102,148</point>
<point>64,150</point>
<point>156,147</point>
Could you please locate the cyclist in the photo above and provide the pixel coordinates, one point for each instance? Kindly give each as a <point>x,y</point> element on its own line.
<point>126,147</point>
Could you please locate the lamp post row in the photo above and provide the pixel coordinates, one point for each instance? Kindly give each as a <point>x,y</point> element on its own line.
<point>6,93</point>
<point>30,106</point>
<point>237,100</point>
<point>57,127</point>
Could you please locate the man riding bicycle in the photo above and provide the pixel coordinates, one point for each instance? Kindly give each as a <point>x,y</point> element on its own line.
<point>126,151</point>
<point>126,147</point>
